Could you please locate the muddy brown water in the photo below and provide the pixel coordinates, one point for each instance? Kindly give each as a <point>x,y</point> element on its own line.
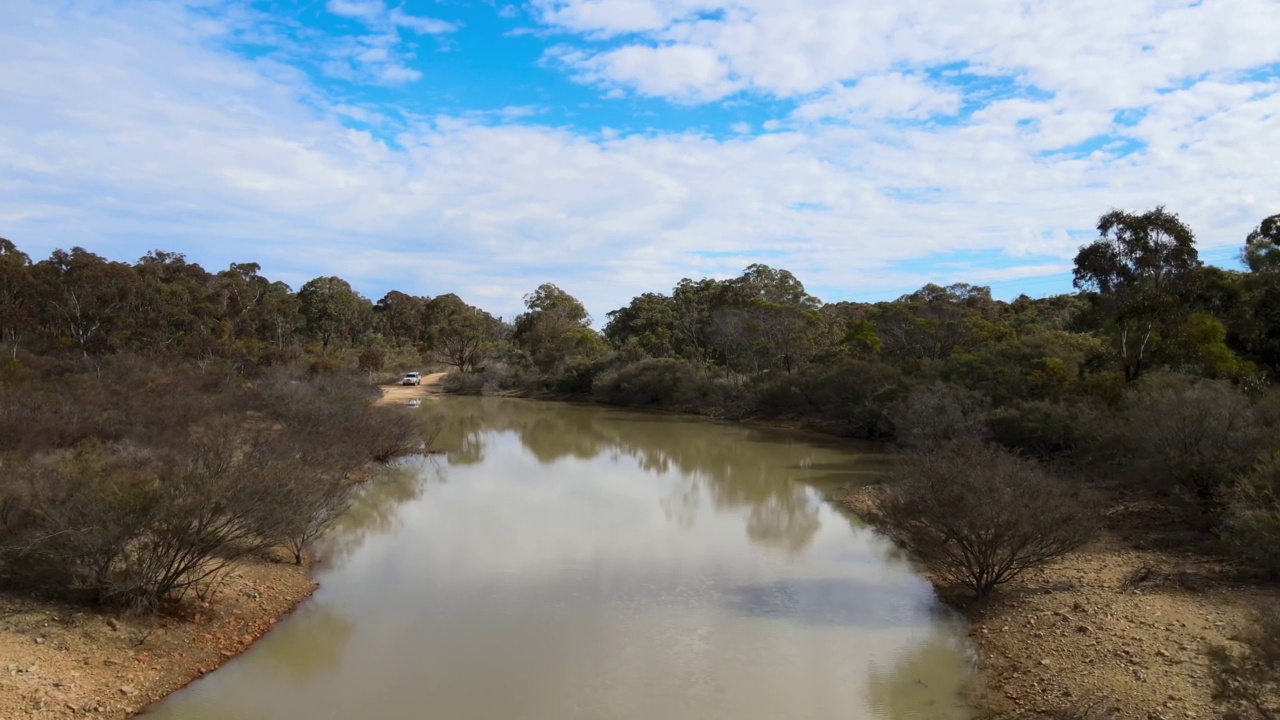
<point>564,562</point>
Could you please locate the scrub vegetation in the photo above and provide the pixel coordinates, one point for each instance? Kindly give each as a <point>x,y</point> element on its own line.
<point>158,421</point>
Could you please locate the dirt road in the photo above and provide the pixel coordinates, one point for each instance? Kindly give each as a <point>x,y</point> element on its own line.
<point>402,394</point>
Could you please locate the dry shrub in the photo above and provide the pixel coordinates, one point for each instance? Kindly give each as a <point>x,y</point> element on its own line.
<point>1251,522</point>
<point>979,516</point>
<point>940,414</point>
<point>1247,681</point>
<point>1191,437</point>
<point>126,508</point>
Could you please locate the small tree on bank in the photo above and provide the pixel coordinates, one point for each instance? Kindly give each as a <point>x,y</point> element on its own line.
<point>979,516</point>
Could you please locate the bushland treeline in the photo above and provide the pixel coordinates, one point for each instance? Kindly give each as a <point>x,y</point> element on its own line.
<point>159,423</point>
<point>1157,375</point>
<point>1151,335</point>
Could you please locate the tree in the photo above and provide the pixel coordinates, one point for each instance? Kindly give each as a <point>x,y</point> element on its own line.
<point>17,290</point>
<point>257,314</point>
<point>459,334</point>
<point>980,516</point>
<point>87,296</point>
<point>176,304</point>
<point>647,323</point>
<point>1262,246</point>
<point>1262,255</point>
<point>330,309</point>
<point>1140,268</point>
<point>400,316</point>
<point>556,328</point>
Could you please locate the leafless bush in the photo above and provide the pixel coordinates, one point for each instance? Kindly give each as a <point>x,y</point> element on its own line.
<point>135,527</point>
<point>940,414</point>
<point>1247,682</point>
<point>141,513</point>
<point>1192,437</point>
<point>979,516</point>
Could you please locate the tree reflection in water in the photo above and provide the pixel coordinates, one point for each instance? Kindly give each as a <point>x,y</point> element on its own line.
<point>735,466</point>
<point>375,510</point>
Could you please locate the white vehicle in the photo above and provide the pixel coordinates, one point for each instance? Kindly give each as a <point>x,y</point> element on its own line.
<point>413,378</point>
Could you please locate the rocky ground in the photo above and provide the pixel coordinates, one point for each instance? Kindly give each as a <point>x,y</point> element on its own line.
<point>1117,630</point>
<point>63,661</point>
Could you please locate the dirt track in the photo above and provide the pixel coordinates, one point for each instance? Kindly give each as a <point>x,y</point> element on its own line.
<point>400,394</point>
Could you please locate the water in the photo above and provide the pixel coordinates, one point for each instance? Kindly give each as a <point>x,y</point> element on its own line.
<point>574,562</point>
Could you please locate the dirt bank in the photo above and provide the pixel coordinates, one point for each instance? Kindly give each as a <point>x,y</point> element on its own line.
<point>397,394</point>
<point>1121,625</point>
<point>62,661</point>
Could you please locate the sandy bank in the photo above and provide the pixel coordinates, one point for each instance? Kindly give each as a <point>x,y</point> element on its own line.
<point>1081,633</point>
<point>61,661</point>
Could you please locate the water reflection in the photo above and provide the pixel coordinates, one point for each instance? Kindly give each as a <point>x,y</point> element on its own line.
<point>738,466</point>
<point>375,510</point>
<point>561,562</point>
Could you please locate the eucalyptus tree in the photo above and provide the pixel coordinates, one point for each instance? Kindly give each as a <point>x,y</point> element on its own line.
<point>1142,269</point>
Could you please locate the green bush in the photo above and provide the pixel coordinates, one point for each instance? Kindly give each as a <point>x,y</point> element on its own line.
<point>1251,522</point>
<point>661,382</point>
<point>1038,428</point>
<point>852,397</point>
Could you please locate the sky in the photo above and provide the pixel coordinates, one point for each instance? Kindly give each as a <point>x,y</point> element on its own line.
<point>613,147</point>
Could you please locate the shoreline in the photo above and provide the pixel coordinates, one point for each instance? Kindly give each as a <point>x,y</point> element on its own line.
<point>1078,638</point>
<point>63,660</point>
<point>1091,636</point>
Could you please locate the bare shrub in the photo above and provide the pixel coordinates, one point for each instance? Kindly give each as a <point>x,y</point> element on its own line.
<point>1251,522</point>
<point>979,516</point>
<point>134,512</point>
<point>495,378</point>
<point>1191,438</point>
<point>135,527</point>
<point>1247,682</point>
<point>463,383</point>
<point>940,414</point>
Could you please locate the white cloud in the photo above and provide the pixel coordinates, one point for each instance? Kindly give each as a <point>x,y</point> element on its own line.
<point>880,96</point>
<point>129,128</point>
<point>1094,51</point>
<point>379,55</point>
<point>683,73</point>
<point>376,15</point>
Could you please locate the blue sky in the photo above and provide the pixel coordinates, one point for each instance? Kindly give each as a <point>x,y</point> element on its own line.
<point>616,146</point>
